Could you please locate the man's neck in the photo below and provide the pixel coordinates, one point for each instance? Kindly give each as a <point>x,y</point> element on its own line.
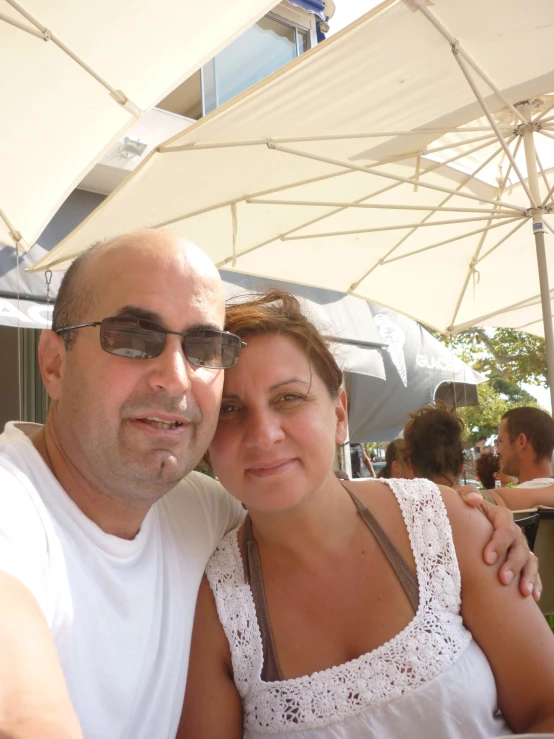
<point>104,510</point>
<point>532,470</point>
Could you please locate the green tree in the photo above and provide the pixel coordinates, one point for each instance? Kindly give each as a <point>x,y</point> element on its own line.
<point>485,417</point>
<point>509,358</point>
<point>503,353</point>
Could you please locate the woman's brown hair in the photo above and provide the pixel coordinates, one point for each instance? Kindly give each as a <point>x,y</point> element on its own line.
<point>433,442</point>
<point>485,467</point>
<point>279,312</point>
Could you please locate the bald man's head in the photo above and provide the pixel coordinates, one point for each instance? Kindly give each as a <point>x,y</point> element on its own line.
<point>135,421</point>
<point>85,279</point>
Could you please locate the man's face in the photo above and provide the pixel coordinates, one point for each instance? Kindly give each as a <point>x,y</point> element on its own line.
<point>110,410</point>
<point>509,458</point>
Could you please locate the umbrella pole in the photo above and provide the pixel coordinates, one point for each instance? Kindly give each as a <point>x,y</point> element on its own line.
<point>538,229</point>
<point>546,309</point>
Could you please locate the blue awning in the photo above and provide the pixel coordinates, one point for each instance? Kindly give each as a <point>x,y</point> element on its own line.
<point>317,7</point>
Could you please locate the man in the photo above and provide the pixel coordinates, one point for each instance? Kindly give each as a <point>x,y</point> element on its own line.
<point>104,530</point>
<point>357,456</point>
<point>525,446</point>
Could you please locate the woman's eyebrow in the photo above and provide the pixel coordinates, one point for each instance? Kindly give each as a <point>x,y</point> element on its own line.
<point>290,381</point>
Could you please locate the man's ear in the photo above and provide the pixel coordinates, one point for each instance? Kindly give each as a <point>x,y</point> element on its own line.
<point>522,441</point>
<point>341,406</point>
<point>51,359</point>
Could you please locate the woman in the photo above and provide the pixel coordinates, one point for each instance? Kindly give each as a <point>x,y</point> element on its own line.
<point>489,472</point>
<point>433,448</point>
<point>395,466</point>
<point>314,626</point>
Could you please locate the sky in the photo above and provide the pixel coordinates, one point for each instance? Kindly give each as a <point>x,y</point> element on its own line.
<point>347,11</point>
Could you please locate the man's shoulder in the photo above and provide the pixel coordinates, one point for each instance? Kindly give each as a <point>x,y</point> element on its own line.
<point>197,490</point>
<point>199,485</point>
<point>537,482</point>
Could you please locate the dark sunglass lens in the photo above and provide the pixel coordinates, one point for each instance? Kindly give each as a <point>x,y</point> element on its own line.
<point>132,338</point>
<point>203,348</point>
<point>230,350</point>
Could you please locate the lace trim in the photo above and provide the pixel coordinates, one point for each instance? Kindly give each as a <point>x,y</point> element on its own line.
<point>427,646</point>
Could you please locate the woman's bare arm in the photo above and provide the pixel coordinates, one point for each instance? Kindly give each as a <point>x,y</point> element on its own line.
<point>510,630</point>
<point>212,708</point>
<point>507,547</point>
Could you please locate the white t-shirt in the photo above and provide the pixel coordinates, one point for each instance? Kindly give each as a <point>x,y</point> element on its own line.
<point>121,612</point>
<point>538,482</point>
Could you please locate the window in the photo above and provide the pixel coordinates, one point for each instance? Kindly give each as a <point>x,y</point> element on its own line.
<point>268,45</point>
<point>261,50</point>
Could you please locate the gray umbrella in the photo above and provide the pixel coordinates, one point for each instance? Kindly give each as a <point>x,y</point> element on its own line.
<point>23,295</point>
<point>419,369</point>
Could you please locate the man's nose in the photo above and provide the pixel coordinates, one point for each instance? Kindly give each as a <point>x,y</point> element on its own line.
<point>170,371</point>
<point>264,428</point>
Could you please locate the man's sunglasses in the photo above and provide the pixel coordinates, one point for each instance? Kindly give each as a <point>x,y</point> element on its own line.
<point>138,338</point>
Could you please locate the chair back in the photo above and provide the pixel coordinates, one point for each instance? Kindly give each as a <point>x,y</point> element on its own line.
<point>528,521</point>
<point>544,550</point>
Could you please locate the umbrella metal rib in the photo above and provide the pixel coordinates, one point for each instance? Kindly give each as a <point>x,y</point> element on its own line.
<point>46,34</point>
<point>403,226</point>
<point>350,165</point>
<point>169,149</point>
<point>469,177</point>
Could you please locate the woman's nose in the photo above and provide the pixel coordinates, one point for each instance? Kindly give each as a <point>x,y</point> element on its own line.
<point>264,429</point>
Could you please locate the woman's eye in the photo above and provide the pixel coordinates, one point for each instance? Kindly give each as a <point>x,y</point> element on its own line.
<point>227,408</point>
<point>291,397</point>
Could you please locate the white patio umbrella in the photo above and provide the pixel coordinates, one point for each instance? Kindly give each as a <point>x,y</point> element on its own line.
<point>406,161</point>
<point>76,75</point>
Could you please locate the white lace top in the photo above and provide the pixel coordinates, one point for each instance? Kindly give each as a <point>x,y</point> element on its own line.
<point>430,681</point>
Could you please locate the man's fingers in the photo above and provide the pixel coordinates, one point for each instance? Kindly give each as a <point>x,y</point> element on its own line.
<point>473,498</point>
<point>520,559</point>
<point>496,549</point>
<point>508,538</point>
<point>530,583</point>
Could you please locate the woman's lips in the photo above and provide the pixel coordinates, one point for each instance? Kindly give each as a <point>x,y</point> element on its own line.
<point>271,469</point>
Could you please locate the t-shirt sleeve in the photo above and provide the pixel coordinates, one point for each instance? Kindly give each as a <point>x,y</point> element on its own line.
<point>225,513</point>
<point>23,547</point>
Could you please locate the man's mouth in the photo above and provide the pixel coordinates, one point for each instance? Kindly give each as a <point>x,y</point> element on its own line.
<point>160,423</point>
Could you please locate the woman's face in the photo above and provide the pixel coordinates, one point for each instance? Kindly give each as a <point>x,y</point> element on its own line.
<point>278,426</point>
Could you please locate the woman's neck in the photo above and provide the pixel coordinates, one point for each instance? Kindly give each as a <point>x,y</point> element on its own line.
<point>453,481</point>
<point>320,526</point>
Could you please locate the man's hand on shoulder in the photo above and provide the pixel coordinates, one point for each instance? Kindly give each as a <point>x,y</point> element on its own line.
<point>509,546</point>
<point>34,701</point>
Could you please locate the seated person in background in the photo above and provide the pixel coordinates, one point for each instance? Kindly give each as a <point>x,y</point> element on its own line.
<point>487,469</point>
<point>433,447</point>
<point>525,446</point>
<point>337,615</point>
<point>395,467</point>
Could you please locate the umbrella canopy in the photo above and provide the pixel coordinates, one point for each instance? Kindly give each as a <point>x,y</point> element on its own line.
<point>77,75</point>
<point>416,180</point>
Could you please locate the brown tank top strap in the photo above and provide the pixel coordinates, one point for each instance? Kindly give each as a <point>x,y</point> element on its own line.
<point>253,577</point>
<point>407,578</point>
